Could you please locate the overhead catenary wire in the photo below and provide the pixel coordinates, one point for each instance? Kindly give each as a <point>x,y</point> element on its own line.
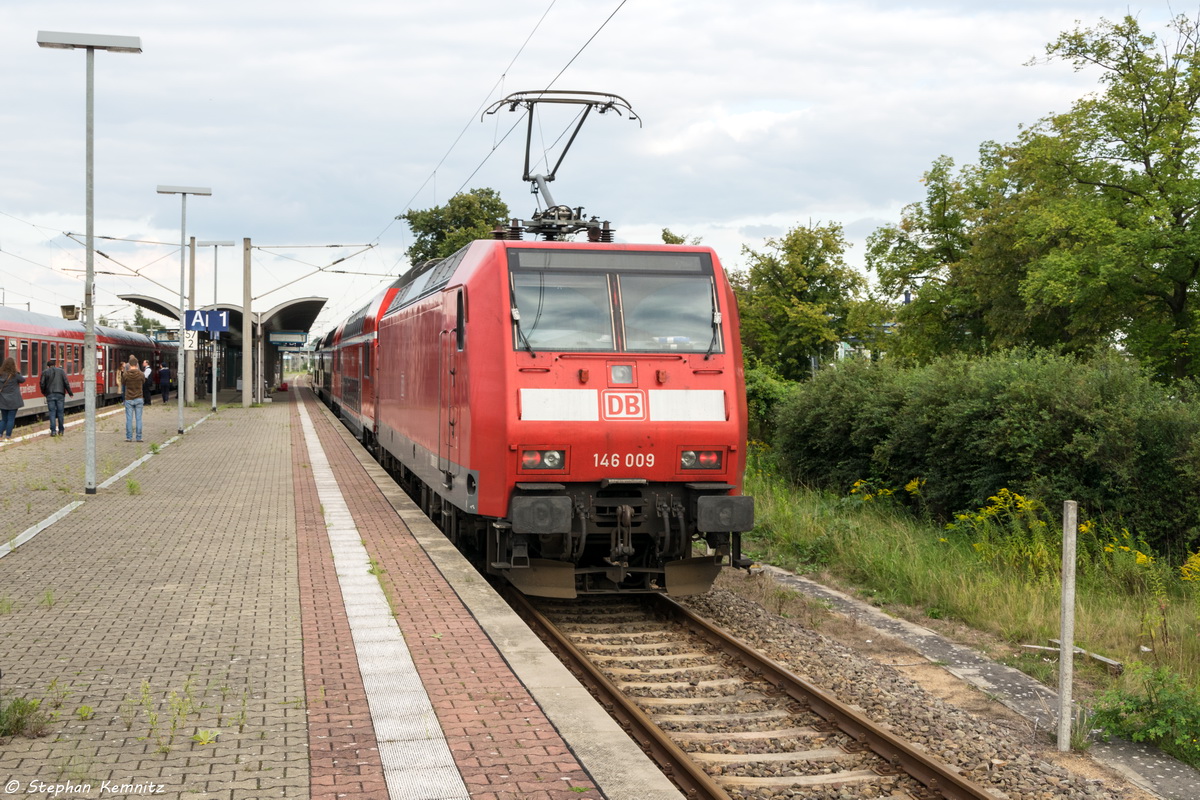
<point>471,119</point>
<point>548,86</point>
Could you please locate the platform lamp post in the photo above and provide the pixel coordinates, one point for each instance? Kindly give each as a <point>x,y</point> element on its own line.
<point>90,42</point>
<point>183,192</point>
<point>215,246</point>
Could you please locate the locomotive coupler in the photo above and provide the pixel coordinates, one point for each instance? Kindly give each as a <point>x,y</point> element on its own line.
<point>622,537</point>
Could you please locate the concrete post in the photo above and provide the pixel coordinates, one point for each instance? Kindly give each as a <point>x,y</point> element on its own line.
<point>1066,654</point>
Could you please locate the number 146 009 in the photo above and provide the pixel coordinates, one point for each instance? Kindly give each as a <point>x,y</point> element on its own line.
<point>629,460</point>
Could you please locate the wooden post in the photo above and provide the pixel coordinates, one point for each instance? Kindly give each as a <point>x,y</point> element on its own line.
<point>1066,652</point>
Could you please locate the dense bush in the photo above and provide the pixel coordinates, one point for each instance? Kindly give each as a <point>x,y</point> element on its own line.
<point>1054,428</point>
<point>766,391</point>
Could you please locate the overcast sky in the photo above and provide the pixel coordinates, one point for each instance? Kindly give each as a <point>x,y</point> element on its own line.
<point>316,124</point>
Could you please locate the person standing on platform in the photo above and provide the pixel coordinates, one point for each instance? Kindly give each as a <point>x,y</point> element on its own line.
<point>148,386</point>
<point>10,397</point>
<point>134,402</point>
<point>55,387</point>
<point>164,382</point>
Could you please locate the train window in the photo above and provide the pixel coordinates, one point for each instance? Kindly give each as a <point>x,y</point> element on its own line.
<point>24,357</point>
<point>669,313</point>
<point>560,311</point>
<point>460,322</point>
<point>621,260</point>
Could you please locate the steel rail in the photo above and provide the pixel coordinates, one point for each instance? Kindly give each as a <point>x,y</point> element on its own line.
<point>676,764</point>
<point>937,777</point>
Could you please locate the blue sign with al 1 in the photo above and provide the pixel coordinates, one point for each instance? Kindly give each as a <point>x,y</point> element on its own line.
<point>196,320</point>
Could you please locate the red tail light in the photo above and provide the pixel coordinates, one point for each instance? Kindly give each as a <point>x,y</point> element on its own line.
<point>700,459</point>
<point>543,459</point>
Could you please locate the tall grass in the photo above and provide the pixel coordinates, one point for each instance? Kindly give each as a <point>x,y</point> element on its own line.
<point>995,569</point>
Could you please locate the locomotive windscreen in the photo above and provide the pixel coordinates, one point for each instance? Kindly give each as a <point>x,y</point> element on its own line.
<point>614,301</point>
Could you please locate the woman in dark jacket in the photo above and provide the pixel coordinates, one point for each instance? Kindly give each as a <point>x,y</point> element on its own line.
<point>10,397</point>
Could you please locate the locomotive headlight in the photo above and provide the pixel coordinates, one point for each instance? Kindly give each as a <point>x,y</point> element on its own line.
<point>700,459</point>
<point>543,459</point>
<point>621,374</point>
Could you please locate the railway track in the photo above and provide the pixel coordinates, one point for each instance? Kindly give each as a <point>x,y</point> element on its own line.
<point>723,721</point>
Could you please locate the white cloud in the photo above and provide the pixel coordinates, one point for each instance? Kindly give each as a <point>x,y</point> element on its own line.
<point>318,123</point>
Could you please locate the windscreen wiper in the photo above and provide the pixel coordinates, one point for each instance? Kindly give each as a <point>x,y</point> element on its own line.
<point>516,315</point>
<point>716,334</point>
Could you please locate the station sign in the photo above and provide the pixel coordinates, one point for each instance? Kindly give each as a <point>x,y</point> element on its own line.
<point>214,321</point>
<point>288,337</point>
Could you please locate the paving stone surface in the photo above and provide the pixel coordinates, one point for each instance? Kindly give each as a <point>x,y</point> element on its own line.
<point>183,627</point>
<point>502,742</point>
<point>158,622</point>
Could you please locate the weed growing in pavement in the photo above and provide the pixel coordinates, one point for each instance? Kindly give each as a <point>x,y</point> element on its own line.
<point>133,486</point>
<point>73,770</point>
<point>128,713</point>
<point>165,718</point>
<point>58,693</point>
<point>180,708</point>
<point>375,569</point>
<point>240,717</point>
<point>23,717</point>
<point>6,605</point>
<point>205,737</point>
<point>154,448</point>
<point>85,713</point>
<point>48,599</point>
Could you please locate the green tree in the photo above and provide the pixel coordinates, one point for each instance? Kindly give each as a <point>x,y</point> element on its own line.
<point>923,258</point>
<point>673,238</point>
<point>142,323</point>
<point>441,230</point>
<point>1082,233</point>
<point>960,258</point>
<point>796,299</point>
<point>1115,178</point>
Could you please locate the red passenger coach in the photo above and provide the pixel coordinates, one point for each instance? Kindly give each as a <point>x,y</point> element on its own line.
<point>573,413</point>
<point>346,374</point>
<point>32,339</point>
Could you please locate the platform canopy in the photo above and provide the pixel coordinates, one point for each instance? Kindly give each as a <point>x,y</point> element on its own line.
<point>290,315</point>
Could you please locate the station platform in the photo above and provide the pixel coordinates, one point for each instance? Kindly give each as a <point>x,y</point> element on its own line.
<point>253,609</point>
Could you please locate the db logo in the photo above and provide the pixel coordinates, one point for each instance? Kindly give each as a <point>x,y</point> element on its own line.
<point>623,405</point>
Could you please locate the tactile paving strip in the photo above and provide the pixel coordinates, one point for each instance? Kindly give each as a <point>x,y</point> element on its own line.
<point>417,762</point>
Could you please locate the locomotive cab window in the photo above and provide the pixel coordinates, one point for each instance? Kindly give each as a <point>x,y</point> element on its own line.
<point>607,300</point>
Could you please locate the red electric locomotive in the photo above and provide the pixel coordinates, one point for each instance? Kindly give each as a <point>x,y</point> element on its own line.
<point>573,414</point>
